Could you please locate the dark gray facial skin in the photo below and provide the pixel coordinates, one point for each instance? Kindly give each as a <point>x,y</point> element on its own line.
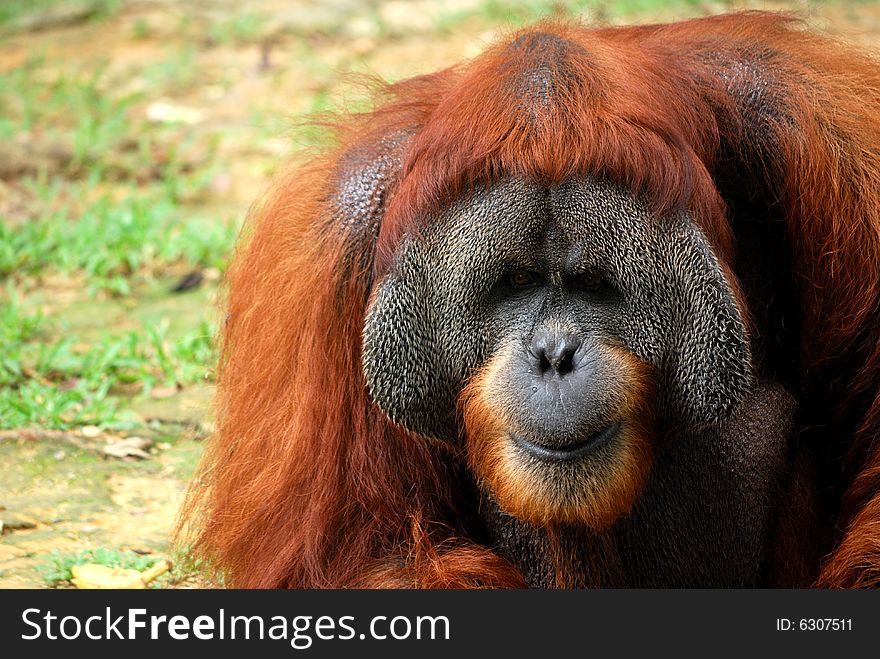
<point>568,269</point>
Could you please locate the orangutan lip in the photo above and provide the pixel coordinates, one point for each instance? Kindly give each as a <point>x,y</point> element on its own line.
<point>568,453</point>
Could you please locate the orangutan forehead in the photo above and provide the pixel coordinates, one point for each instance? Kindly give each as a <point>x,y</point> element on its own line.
<point>583,223</point>
<point>540,71</point>
<point>584,216</point>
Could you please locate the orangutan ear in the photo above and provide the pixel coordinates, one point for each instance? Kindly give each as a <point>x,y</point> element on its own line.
<point>364,178</point>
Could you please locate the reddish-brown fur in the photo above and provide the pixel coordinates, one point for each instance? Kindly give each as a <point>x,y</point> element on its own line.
<point>307,484</point>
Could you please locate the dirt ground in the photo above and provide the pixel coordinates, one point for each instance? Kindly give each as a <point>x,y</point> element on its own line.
<point>236,74</point>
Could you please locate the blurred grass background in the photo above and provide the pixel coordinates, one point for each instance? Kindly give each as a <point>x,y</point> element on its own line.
<point>134,134</point>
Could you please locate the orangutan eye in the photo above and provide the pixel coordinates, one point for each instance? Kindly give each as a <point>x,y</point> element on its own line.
<point>522,278</point>
<point>590,280</point>
<point>594,284</point>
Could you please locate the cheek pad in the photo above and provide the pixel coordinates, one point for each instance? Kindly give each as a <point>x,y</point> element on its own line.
<point>705,367</point>
<point>420,343</point>
<point>426,329</point>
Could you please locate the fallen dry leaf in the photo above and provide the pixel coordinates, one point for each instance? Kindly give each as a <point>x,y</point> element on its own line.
<point>169,113</point>
<point>130,447</point>
<point>95,576</point>
<point>163,392</point>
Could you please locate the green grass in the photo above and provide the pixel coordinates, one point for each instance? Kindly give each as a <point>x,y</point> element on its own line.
<point>109,219</point>
<point>110,241</point>
<point>91,125</point>
<point>35,99</point>
<point>53,381</point>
